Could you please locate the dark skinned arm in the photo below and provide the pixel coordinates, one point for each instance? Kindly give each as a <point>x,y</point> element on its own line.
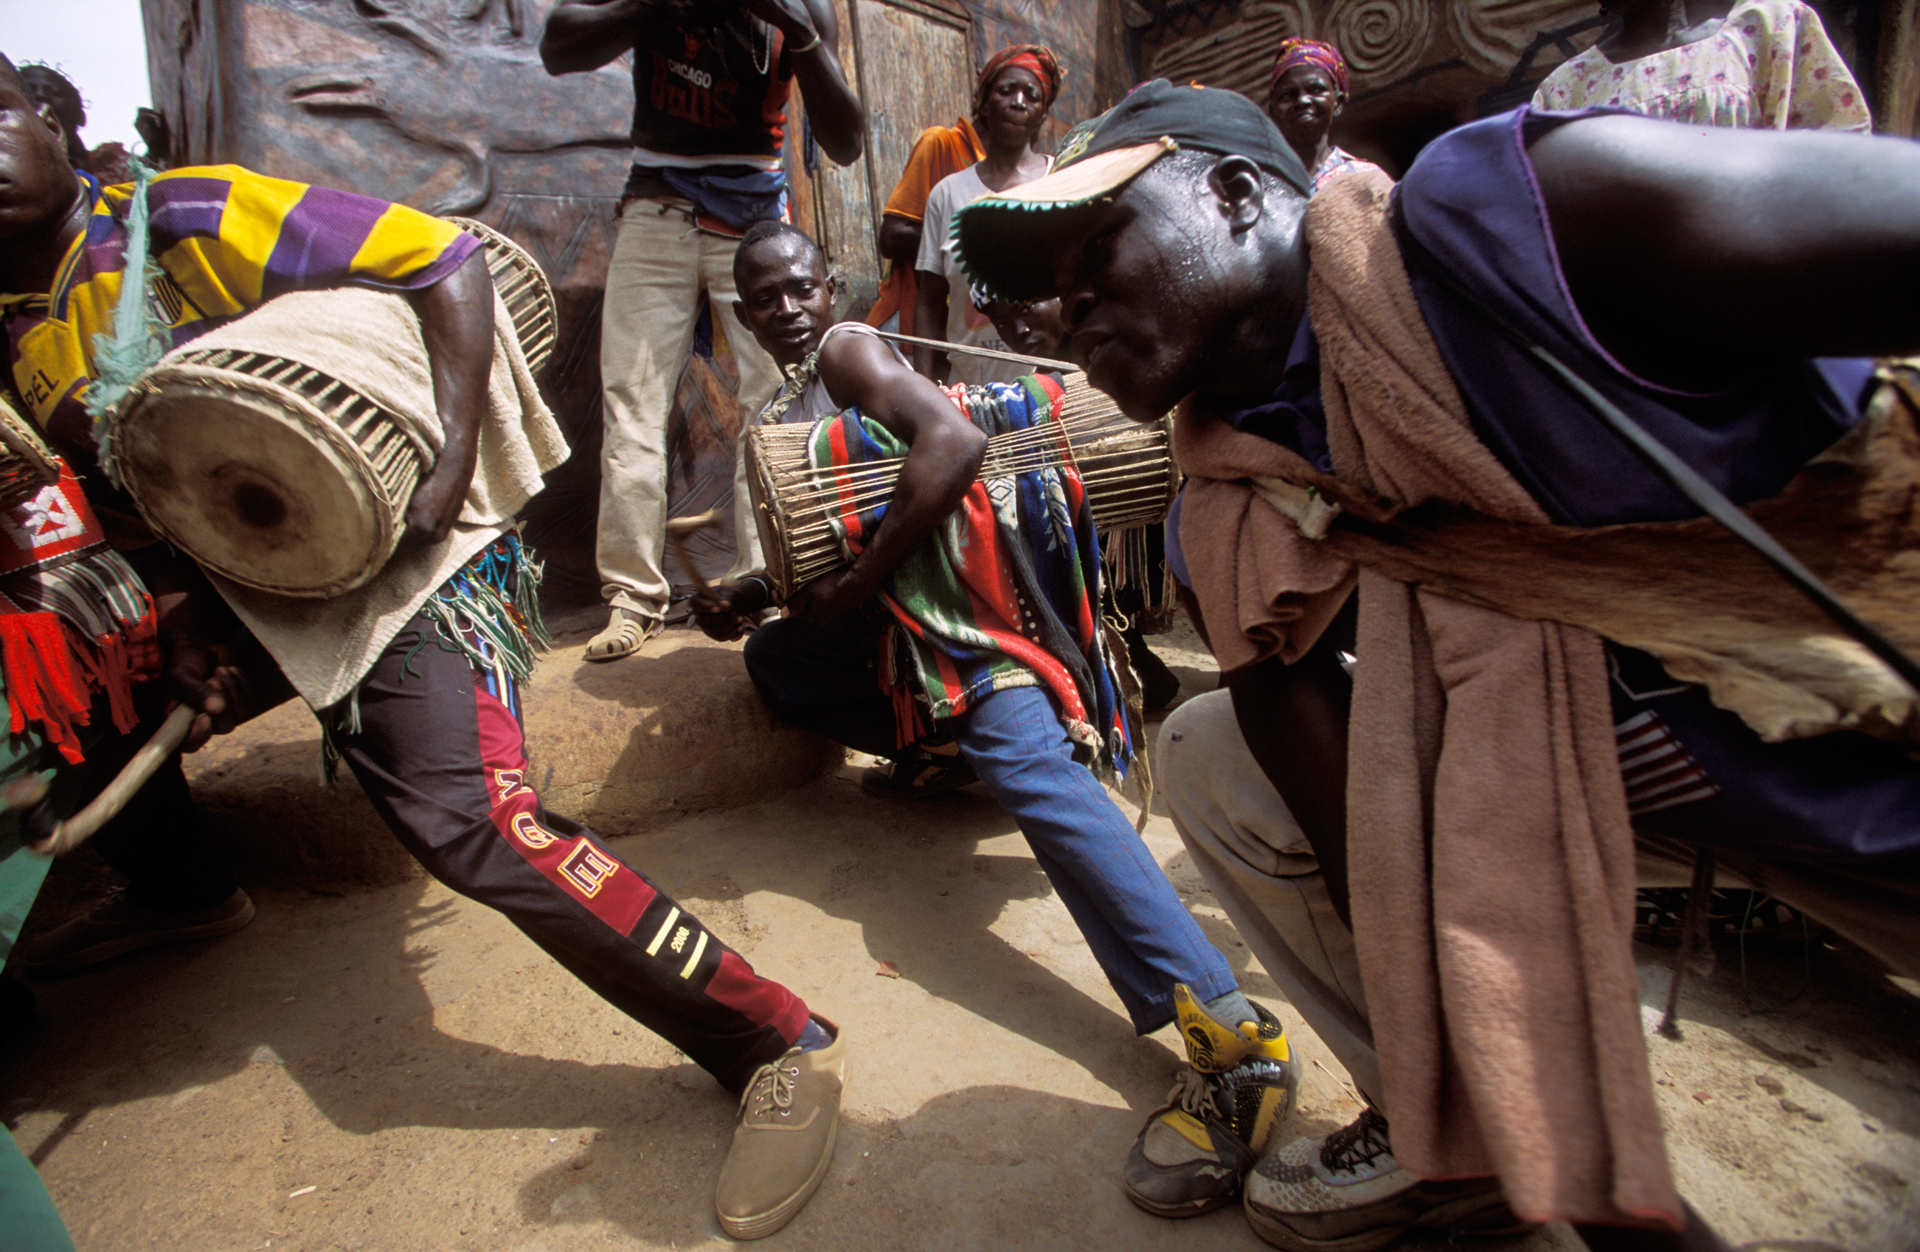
<point>1803,243</point>
<point>456,320</point>
<point>839,123</point>
<point>944,451</point>
<point>930,319</point>
<point>899,238</point>
<point>587,34</point>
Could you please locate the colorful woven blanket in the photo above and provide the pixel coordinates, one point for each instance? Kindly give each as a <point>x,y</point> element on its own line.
<point>75,620</point>
<point>1005,593</point>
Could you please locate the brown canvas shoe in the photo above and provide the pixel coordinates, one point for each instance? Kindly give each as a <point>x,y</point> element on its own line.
<point>120,926</point>
<point>789,1117</point>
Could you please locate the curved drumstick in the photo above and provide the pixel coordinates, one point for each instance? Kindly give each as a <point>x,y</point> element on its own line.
<point>81,827</point>
<point>677,531</point>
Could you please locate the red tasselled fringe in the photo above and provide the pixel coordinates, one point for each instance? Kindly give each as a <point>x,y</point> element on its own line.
<point>53,674</point>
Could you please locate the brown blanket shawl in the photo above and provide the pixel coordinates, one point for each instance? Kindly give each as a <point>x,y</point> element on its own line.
<point>1491,857</point>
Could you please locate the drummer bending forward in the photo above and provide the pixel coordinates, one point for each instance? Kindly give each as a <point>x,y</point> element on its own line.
<point>977,603</point>
<point>434,736</point>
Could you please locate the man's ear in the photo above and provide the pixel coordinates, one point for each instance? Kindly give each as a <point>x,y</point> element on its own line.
<point>740,314</point>
<point>1235,182</point>
<point>833,285</point>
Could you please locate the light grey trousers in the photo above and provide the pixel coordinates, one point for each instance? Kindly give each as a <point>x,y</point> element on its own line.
<point>1258,864</point>
<point>662,267</point>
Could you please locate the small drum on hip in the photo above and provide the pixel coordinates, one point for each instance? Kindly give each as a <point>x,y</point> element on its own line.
<point>281,450</point>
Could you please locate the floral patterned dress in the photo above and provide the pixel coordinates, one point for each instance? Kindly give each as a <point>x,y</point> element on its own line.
<point>1338,161</point>
<point>1770,66</point>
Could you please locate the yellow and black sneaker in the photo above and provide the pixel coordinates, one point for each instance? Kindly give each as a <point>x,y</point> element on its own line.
<point>1193,1154</point>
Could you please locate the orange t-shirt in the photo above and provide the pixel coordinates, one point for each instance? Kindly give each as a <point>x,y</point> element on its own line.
<point>938,152</point>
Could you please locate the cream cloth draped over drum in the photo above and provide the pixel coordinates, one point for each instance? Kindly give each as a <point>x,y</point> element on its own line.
<point>371,340</point>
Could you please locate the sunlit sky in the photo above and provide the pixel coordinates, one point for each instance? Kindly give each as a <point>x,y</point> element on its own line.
<point>96,43</point>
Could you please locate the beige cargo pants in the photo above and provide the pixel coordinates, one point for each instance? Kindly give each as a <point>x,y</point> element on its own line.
<point>662,262</point>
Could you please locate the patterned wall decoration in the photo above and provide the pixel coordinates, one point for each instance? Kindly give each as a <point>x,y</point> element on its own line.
<point>1422,66</point>
<point>444,105</point>
<point>1381,39</point>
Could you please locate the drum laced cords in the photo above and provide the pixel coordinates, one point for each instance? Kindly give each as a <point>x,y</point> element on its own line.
<point>489,613</point>
<point>137,341</point>
<point>816,497</point>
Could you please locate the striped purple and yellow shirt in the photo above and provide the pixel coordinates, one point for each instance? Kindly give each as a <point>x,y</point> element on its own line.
<point>228,240</point>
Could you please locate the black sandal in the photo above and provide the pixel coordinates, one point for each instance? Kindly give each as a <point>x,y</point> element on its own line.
<point>917,774</point>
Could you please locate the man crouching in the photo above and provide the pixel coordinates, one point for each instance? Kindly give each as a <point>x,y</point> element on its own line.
<point>968,618</point>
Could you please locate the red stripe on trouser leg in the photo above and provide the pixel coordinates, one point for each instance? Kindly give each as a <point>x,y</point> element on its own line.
<point>579,866</point>
<point>591,874</point>
<point>736,984</point>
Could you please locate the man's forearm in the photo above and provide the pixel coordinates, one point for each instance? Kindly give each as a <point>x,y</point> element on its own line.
<point>586,34</point>
<point>456,323</point>
<point>939,468</point>
<point>839,123</point>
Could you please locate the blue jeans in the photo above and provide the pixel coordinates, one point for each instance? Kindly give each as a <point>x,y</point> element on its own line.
<point>823,678</point>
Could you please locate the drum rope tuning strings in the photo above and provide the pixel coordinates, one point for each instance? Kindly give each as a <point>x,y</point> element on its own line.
<point>1126,469</point>
<point>281,449</point>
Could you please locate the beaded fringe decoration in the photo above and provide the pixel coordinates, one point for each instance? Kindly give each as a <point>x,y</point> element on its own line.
<point>488,612</point>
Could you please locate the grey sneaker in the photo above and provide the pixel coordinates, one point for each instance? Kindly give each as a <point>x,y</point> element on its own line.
<point>789,1118</point>
<point>1345,1192</point>
<point>120,926</point>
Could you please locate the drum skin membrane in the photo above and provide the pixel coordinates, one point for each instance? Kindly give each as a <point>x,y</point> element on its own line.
<point>266,493</point>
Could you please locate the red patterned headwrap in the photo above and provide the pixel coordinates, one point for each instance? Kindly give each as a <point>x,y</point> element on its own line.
<point>1031,57</point>
<point>1297,51</point>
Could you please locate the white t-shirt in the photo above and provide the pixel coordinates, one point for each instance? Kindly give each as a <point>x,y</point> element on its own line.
<point>965,324</point>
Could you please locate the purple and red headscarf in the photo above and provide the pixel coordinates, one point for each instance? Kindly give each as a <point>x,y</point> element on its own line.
<point>1297,51</point>
<point>1031,57</point>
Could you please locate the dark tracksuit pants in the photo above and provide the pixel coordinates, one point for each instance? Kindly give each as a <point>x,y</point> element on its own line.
<point>440,752</point>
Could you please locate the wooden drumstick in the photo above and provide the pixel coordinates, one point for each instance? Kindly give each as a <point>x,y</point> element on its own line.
<point>677,531</point>
<point>82,826</point>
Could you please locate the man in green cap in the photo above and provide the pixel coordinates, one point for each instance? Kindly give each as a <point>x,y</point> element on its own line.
<point>1475,790</point>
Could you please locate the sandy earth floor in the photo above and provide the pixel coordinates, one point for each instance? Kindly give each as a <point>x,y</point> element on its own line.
<point>400,1069</point>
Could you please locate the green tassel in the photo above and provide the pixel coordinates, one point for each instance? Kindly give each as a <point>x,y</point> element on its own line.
<point>137,341</point>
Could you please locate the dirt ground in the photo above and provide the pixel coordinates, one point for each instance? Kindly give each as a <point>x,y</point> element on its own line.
<point>400,1069</point>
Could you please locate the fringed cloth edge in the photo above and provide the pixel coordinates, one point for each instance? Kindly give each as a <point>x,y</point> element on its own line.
<point>489,613</point>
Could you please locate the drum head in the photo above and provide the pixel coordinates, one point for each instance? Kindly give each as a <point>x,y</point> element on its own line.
<point>255,491</point>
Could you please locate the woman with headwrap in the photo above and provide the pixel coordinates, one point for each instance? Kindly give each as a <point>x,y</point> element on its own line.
<point>1017,86</point>
<point>1307,90</point>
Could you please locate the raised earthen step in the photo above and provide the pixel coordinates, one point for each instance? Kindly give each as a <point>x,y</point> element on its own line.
<point>627,747</point>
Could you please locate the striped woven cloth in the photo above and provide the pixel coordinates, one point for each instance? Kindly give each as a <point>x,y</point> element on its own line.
<point>1004,593</point>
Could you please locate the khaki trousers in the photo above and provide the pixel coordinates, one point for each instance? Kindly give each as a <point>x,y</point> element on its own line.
<point>661,264</point>
<point>1260,867</point>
